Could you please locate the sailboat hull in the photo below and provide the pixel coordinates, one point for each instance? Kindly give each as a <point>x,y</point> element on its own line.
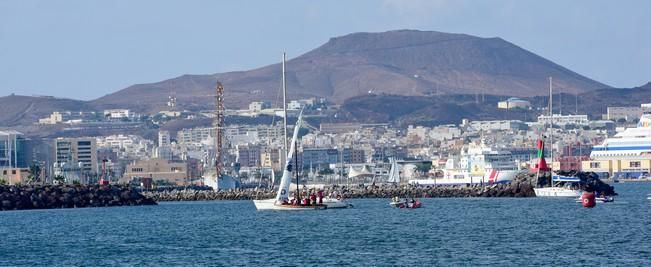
<point>556,192</point>
<point>333,203</point>
<point>270,204</point>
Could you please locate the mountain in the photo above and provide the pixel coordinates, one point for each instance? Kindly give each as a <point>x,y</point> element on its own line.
<point>404,62</point>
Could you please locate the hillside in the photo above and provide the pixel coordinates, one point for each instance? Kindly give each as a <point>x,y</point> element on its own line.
<point>434,110</point>
<point>23,110</point>
<point>405,62</point>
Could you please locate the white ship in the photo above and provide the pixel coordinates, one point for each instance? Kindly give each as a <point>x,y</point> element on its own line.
<point>631,143</point>
<point>625,155</point>
<point>477,164</point>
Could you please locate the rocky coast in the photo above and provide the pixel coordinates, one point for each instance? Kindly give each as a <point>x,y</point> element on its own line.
<point>22,197</point>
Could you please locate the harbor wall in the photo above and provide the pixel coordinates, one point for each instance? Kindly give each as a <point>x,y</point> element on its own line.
<point>521,186</point>
<point>517,188</point>
<point>24,197</point>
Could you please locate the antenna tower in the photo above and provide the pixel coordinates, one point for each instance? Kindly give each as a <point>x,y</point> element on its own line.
<point>219,128</point>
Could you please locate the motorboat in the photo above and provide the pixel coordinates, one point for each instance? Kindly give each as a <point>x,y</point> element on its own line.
<point>601,199</point>
<point>407,204</point>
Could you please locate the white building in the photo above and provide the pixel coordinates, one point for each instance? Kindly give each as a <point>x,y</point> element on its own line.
<point>498,125</point>
<point>127,146</point>
<point>627,113</point>
<point>514,102</point>
<point>163,138</point>
<point>117,113</point>
<point>444,132</point>
<point>257,106</point>
<point>54,118</point>
<point>564,119</point>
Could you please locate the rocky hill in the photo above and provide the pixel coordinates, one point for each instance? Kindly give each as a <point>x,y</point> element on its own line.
<point>405,62</point>
<point>24,110</point>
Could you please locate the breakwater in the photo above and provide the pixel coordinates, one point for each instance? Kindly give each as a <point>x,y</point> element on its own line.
<point>521,186</point>
<point>69,196</point>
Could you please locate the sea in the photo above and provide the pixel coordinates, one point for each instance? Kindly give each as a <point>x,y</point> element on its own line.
<point>444,232</point>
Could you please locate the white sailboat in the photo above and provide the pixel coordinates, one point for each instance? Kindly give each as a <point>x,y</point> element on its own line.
<point>555,190</point>
<point>394,172</point>
<point>282,201</point>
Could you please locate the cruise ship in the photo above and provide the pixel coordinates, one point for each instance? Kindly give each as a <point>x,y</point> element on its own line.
<point>477,164</point>
<point>632,142</point>
<point>625,155</point>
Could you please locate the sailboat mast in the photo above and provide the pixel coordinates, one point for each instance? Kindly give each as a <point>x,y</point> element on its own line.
<point>551,124</point>
<point>298,193</point>
<point>285,108</point>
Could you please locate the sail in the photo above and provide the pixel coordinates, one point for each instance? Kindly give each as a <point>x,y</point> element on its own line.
<point>283,189</point>
<point>394,173</point>
<point>273,178</point>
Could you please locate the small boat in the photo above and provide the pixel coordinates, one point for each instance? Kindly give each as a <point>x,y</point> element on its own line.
<point>602,199</point>
<point>413,204</point>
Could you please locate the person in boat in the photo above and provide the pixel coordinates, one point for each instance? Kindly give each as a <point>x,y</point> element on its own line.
<point>319,194</point>
<point>294,199</point>
<point>313,198</point>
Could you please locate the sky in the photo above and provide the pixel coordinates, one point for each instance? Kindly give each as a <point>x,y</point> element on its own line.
<point>84,49</point>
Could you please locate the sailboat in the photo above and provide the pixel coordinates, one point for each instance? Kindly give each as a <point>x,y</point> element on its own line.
<point>394,172</point>
<point>554,190</point>
<point>282,201</point>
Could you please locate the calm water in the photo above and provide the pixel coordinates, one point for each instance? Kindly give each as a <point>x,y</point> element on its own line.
<point>445,232</point>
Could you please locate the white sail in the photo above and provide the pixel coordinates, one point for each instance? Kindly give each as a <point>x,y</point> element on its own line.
<point>394,172</point>
<point>283,189</point>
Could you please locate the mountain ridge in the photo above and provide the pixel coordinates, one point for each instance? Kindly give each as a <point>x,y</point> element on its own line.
<point>403,62</point>
<point>399,62</point>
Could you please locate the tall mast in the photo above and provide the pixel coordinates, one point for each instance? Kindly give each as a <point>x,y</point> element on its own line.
<point>285,108</point>
<point>551,123</point>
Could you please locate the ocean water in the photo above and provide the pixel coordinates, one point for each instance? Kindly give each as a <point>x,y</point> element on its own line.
<point>458,231</point>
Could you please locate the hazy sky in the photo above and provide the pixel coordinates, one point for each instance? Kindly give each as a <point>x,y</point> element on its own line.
<point>85,49</point>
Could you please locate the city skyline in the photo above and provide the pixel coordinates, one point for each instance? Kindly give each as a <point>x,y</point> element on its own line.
<point>86,49</point>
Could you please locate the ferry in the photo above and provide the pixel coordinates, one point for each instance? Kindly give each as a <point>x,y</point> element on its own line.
<point>625,155</point>
<point>477,164</point>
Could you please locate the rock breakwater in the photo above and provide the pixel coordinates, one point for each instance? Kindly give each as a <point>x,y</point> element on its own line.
<point>69,196</point>
<point>522,186</point>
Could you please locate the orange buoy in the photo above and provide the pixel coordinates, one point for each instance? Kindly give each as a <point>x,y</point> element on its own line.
<point>588,200</point>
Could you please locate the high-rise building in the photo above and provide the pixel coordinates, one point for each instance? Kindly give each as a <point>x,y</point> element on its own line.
<point>76,154</point>
<point>163,138</point>
<point>11,154</point>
